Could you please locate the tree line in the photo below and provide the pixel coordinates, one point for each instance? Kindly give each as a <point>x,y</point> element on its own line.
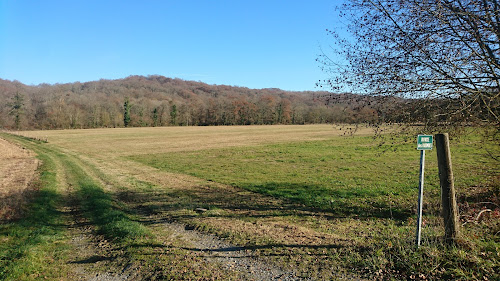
<point>155,100</point>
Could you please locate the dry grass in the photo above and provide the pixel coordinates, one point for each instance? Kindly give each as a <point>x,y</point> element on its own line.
<point>104,143</point>
<point>17,170</point>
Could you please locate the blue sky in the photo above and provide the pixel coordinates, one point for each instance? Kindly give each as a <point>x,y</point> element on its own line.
<point>254,44</point>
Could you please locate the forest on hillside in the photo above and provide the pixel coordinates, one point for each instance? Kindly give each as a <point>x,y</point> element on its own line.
<point>161,101</point>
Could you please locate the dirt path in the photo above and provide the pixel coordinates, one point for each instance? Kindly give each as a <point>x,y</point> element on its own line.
<point>92,257</point>
<point>240,259</point>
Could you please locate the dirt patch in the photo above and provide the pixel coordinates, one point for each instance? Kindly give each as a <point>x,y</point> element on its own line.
<point>240,259</point>
<point>95,257</point>
<point>280,232</point>
<point>17,170</point>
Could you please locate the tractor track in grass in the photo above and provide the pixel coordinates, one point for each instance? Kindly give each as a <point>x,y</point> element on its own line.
<point>88,256</point>
<point>91,257</point>
<point>231,257</point>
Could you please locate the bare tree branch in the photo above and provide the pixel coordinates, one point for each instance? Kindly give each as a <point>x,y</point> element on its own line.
<point>446,51</point>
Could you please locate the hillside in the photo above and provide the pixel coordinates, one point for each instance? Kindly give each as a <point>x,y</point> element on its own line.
<point>162,101</point>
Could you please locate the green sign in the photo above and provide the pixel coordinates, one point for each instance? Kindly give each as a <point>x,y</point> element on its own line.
<point>424,142</point>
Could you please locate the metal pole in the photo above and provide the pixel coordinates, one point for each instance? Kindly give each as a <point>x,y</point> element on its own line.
<point>420,195</point>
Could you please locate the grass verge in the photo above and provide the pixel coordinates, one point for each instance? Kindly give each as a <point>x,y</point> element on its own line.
<point>32,247</point>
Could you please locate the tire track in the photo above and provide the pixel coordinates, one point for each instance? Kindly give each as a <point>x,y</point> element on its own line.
<point>92,257</point>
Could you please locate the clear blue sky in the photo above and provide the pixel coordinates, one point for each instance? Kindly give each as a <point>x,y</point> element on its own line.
<point>255,44</point>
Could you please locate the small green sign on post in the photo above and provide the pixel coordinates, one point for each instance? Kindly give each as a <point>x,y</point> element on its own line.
<point>424,142</point>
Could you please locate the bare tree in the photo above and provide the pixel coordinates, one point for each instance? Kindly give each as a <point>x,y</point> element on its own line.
<point>443,52</point>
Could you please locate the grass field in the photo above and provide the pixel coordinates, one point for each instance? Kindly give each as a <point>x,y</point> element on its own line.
<point>307,198</point>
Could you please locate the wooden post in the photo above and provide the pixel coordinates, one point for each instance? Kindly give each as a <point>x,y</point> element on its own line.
<point>448,198</point>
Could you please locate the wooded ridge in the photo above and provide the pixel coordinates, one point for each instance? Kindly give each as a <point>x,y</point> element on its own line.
<point>160,101</point>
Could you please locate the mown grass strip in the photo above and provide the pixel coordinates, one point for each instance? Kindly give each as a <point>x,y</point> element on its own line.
<point>99,206</point>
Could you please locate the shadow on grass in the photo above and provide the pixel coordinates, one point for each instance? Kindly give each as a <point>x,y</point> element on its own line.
<point>102,211</point>
<point>162,205</point>
<point>93,259</point>
<point>41,224</point>
<point>276,248</point>
<point>279,200</point>
<point>41,215</point>
<point>357,202</point>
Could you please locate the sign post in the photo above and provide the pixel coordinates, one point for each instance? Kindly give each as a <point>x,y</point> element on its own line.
<point>424,142</point>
